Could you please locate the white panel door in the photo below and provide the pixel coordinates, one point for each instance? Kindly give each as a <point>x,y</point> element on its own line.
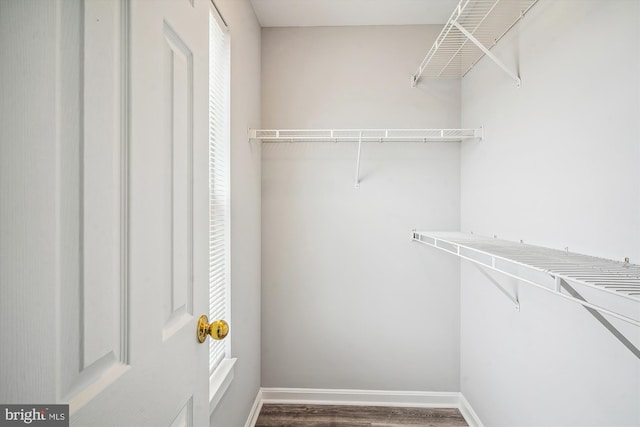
<point>142,246</point>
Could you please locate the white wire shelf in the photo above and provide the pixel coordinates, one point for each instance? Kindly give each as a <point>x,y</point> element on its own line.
<point>545,268</point>
<point>364,135</point>
<point>474,27</point>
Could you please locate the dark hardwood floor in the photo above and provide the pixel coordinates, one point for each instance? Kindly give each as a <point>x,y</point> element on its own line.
<point>273,415</point>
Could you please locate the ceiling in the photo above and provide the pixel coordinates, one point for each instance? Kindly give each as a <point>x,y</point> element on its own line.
<point>312,13</point>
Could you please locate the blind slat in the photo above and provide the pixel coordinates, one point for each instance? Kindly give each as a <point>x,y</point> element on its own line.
<point>218,183</point>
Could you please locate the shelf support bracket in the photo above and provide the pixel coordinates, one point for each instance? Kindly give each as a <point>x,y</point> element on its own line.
<point>599,317</point>
<point>488,53</point>
<point>357,185</point>
<point>514,300</point>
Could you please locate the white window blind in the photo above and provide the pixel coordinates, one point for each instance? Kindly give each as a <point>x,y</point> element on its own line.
<point>218,183</point>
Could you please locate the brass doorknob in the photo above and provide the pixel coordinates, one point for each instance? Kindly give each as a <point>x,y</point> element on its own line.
<point>217,329</point>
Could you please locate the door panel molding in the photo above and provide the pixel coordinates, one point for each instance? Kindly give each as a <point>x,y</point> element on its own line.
<point>185,416</point>
<point>178,87</point>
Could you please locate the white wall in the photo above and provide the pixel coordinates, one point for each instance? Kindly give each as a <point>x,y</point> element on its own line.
<point>245,214</point>
<point>558,168</point>
<point>348,301</point>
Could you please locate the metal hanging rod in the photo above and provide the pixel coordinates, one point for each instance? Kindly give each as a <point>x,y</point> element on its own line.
<point>547,269</point>
<point>474,27</point>
<point>365,135</point>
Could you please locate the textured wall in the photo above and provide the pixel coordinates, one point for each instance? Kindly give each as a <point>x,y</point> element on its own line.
<point>348,301</point>
<point>558,168</point>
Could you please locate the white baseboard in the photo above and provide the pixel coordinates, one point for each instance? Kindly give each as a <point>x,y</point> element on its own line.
<point>361,397</point>
<point>468,413</point>
<point>415,399</point>
<point>255,410</point>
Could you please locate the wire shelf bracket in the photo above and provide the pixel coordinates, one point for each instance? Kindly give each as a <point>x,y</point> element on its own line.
<point>474,27</point>
<point>494,282</point>
<point>357,184</point>
<point>550,270</point>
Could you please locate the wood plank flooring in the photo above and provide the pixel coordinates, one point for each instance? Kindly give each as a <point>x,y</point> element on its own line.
<point>273,415</point>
